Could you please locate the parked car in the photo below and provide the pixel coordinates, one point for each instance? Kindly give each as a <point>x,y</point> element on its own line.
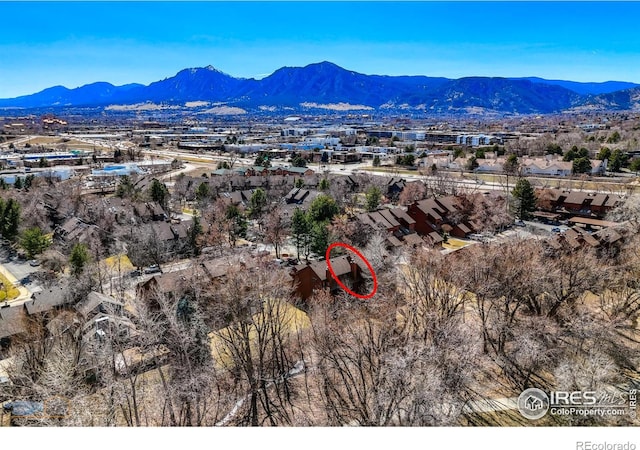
<point>135,273</point>
<point>152,269</point>
<point>520,223</point>
<point>34,263</point>
<point>556,230</point>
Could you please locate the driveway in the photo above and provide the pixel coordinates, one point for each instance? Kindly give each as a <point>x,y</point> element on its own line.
<point>16,270</point>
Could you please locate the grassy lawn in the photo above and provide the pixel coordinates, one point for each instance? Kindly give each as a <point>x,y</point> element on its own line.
<point>561,183</point>
<point>454,244</point>
<point>8,291</point>
<point>198,171</point>
<point>390,170</point>
<point>122,261</point>
<point>72,144</point>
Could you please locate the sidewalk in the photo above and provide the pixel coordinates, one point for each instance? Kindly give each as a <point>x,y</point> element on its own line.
<point>25,294</point>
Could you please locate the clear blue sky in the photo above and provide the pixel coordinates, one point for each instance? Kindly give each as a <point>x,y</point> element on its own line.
<point>75,43</point>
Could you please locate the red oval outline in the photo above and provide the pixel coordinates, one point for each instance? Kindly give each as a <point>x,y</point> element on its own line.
<point>327,257</point>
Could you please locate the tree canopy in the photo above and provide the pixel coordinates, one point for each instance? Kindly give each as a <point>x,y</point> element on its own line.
<point>323,208</point>
<point>79,258</point>
<point>257,202</point>
<point>34,241</point>
<point>524,199</point>
<point>299,161</point>
<point>374,196</point>
<point>581,165</point>
<point>9,218</point>
<point>159,193</point>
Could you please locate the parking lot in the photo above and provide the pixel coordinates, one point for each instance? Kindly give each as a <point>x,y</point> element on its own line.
<point>20,269</point>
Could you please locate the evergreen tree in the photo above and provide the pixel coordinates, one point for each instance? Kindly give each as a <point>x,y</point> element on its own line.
<point>263,161</point>
<point>376,161</point>
<point>300,230</point>
<point>28,181</point>
<point>18,183</point>
<point>79,258</point>
<point>323,208</point>
<point>324,185</point>
<point>524,199</point>
<point>237,223</point>
<point>511,165</point>
<point>373,196</point>
<point>581,165</point>
<point>604,153</point>
<point>320,238</point>
<point>299,161</point>
<point>194,233</point>
<point>554,149</point>
<point>618,160</point>
<point>257,202</point>
<point>571,154</point>
<point>159,193</point>
<point>472,164</point>
<point>9,218</point>
<point>125,187</point>
<point>203,191</point>
<point>34,242</point>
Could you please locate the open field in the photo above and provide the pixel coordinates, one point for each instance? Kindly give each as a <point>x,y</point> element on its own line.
<point>70,144</point>
<point>602,185</point>
<point>200,170</point>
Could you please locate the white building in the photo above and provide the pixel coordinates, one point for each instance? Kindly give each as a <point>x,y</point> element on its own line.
<point>475,140</point>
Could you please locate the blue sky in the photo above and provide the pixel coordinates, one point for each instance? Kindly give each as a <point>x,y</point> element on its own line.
<point>75,43</point>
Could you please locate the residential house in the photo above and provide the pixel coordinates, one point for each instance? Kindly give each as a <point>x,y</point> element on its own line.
<point>297,196</point>
<point>381,218</point>
<point>97,303</point>
<point>103,316</point>
<point>314,276</point>
<point>577,203</point>
<point>406,221</point>
<point>395,186</point>
<point>74,231</point>
<point>546,167</point>
<point>440,214</point>
<point>53,298</point>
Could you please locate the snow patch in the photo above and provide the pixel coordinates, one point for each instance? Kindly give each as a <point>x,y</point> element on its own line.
<point>196,104</point>
<point>148,106</point>
<point>336,106</point>
<point>224,111</point>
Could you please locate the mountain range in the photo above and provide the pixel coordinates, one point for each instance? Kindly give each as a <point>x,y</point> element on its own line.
<point>326,85</point>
